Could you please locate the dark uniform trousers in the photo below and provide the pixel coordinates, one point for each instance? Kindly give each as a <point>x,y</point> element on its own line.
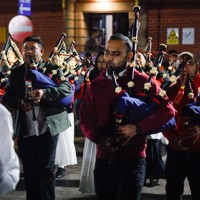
<point>126,182</point>
<point>180,165</point>
<point>37,154</point>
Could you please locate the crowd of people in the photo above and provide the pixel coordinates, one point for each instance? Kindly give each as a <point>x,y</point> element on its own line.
<point>124,112</point>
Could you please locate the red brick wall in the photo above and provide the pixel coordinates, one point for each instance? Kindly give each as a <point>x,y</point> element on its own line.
<point>47,19</point>
<point>49,26</point>
<point>159,20</point>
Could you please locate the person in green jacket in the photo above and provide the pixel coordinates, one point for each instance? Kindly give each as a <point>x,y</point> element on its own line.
<point>38,117</point>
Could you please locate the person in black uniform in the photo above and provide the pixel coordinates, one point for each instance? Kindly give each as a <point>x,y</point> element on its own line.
<point>38,119</point>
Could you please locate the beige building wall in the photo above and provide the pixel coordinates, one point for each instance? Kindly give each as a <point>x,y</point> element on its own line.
<point>69,21</point>
<point>75,25</point>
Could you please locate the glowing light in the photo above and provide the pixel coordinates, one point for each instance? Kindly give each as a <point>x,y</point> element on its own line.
<point>102,0</point>
<point>104,6</point>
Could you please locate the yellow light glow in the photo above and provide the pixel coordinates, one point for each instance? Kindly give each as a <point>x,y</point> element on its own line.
<point>104,6</point>
<point>102,0</point>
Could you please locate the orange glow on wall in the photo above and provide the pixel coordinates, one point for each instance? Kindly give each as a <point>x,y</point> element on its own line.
<point>102,0</point>
<point>95,1</point>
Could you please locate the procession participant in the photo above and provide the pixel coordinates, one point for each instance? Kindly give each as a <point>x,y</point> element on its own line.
<point>9,161</point>
<point>37,120</point>
<point>170,60</point>
<point>98,67</point>
<point>65,151</point>
<point>120,175</point>
<point>154,163</point>
<point>93,44</point>
<point>183,151</point>
<point>89,152</point>
<point>81,81</point>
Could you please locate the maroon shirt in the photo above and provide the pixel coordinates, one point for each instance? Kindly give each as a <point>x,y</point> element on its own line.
<point>193,142</point>
<point>98,120</point>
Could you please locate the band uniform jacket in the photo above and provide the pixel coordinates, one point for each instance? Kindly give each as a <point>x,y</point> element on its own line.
<point>193,142</point>
<point>56,116</point>
<point>97,119</point>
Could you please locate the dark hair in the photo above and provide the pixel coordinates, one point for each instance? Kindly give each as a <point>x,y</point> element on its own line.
<point>93,30</point>
<point>36,39</point>
<point>173,52</point>
<point>95,71</point>
<point>87,54</point>
<point>125,39</point>
<point>99,54</point>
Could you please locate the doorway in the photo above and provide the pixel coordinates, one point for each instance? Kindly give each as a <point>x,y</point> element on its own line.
<point>108,23</point>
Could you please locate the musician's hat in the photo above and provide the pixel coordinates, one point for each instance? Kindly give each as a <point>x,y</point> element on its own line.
<point>188,55</point>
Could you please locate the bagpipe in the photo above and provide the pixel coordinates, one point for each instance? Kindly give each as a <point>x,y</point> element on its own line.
<point>38,80</point>
<point>10,57</point>
<point>127,105</point>
<point>77,71</point>
<point>73,65</point>
<point>57,48</point>
<point>153,71</point>
<point>59,59</point>
<point>129,109</point>
<point>10,54</point>
<point>43,78</point>
<point>136,107</point>
<point>190,112</point>
<point>71,61</point>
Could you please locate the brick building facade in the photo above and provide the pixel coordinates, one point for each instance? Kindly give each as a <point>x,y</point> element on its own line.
<point>50,18</point>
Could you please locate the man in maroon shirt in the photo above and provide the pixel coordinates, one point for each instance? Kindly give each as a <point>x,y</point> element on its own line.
<point>123,178</point>
<point>183,151</point>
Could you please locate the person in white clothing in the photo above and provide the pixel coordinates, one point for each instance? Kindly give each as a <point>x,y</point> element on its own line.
<point>65,151</point>
<point>9,161</point>
<point>155,165</point>
<point>89,152</point>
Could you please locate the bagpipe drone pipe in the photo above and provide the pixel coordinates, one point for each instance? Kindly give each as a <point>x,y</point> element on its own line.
<point>133,35</point>
<point>154,70</point>
<point>10,54</point>
<point>68,62</point>
<point>77,71</point>
<point>74,65</point>
<point>10,57</point>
